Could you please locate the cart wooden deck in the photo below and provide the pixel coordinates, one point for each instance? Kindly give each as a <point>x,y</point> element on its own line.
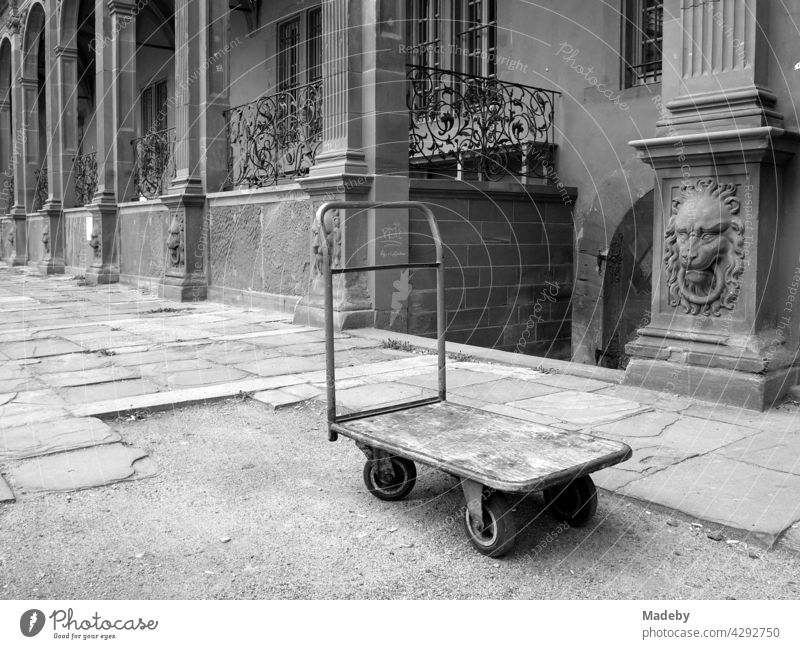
<point>500,452</point>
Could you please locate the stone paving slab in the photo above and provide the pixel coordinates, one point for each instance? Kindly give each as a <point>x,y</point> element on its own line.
<point>40,348</point>
<point>504,390</point>
<point>718,489</point>
<point>278,365</point>
<point>105,391</point>
<point>579,383</point>
<point>6,495</point>
<point>177,398</point>
<point>455,378</point>
<point>198,377</point>
<point>581,407</point>
<point>780,452</point>
<point>76,470</point>
<point>376,395</point>
<point>54,436</point>
<point>87,376</point>
<point>277,399</point>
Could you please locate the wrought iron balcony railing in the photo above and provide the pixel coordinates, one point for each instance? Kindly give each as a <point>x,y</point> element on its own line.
<point>479,125</point>
<point>274,137</point>
<point>154,162</point>
<point>84,169</point>
<point>41,191</point>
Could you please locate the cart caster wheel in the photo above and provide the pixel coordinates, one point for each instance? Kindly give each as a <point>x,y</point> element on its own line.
<point>405,477</point>
<point>496,536</point>
<point>574,503</point>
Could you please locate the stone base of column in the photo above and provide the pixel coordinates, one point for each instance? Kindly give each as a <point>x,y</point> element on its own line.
<point>352,308</point>
<point>17,238</point>
<point>183,289</point>
<point>185,280</point>
<point>104,268</point>
<point>313,316</point>
<point>52,241</point>
<point>711,370</point>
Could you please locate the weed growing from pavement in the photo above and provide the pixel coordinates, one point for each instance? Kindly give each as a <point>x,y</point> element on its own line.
<point>404,346</point>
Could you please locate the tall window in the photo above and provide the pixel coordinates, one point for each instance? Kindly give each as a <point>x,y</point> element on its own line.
<point>476,38</point>
<point>459,35</point>
<point>300,50</point>
<point>154,107</point>
<point>642,32</point>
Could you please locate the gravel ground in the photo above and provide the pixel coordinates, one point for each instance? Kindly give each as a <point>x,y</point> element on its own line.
<point>301,525</point>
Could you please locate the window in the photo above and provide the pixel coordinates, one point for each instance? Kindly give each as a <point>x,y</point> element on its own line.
<point>300,50</point>
<point>154,107</point>
<point>426,26</point>
<point>458,35</point>
<point>476,22</point>
<point>642,33</point>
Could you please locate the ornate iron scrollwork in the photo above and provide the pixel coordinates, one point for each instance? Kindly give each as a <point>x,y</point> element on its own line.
<point>154,162</point>
<point>274,137</point>
<point>40,194</point>
<point>480,125</point>
<point>85,170</point>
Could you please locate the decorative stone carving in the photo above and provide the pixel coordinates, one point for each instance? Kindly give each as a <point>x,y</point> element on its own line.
<point>704,252</point>
<point>334,241</point>
<point>175,241</point>
<point>46,239</point>
<point>95,243</point>
<point>15,19</point>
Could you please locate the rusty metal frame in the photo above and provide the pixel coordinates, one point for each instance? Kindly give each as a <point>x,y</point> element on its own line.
<point>328,273</point>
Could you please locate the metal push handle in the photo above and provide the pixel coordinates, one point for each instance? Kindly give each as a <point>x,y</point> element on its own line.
<point>328,272</point>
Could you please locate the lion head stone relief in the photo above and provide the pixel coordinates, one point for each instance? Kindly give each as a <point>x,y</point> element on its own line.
<point>704,252</point>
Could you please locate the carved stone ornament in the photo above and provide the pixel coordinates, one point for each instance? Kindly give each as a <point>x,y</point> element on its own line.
<point>95,242</point>
<point>15,19</point>
<point>46,239</point>
<point>704,251</point>
<point>175,241</point>
<point>334,241</point>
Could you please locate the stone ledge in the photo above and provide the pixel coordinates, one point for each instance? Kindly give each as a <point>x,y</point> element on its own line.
<point>612,377</point>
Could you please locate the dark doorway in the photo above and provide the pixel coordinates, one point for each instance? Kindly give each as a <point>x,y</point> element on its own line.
<point>627,283</point>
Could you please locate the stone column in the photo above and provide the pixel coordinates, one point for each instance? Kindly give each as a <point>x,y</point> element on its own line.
<point>6,178</point>
<point>17,240</point>
<point>30,140</point>
<point>52,211</point>
<point>185,278</point>
<point>115,99</point>
<point>214,157</point>
<point>364,156</point>
<point>718,156</point>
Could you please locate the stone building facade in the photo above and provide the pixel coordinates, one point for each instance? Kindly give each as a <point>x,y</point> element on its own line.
<point>565,146</point>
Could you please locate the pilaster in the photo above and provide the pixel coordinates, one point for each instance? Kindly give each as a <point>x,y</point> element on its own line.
<point>16,231</point>
<point>186,277</point>
<point>52,261</point>
<point>719,156</point>
<point>115,95</point>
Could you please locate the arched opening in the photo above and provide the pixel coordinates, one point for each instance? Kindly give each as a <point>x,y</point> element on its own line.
<point>34,80</point>
<point>627,283</point>
<point>154,118</point>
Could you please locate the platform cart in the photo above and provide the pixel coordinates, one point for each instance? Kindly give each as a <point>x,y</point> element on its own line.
<point>492,455</point>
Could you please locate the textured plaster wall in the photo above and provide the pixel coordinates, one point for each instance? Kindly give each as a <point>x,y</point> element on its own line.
<point>261,246</point>
<point>142,239</point>
<point>77,253</point>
